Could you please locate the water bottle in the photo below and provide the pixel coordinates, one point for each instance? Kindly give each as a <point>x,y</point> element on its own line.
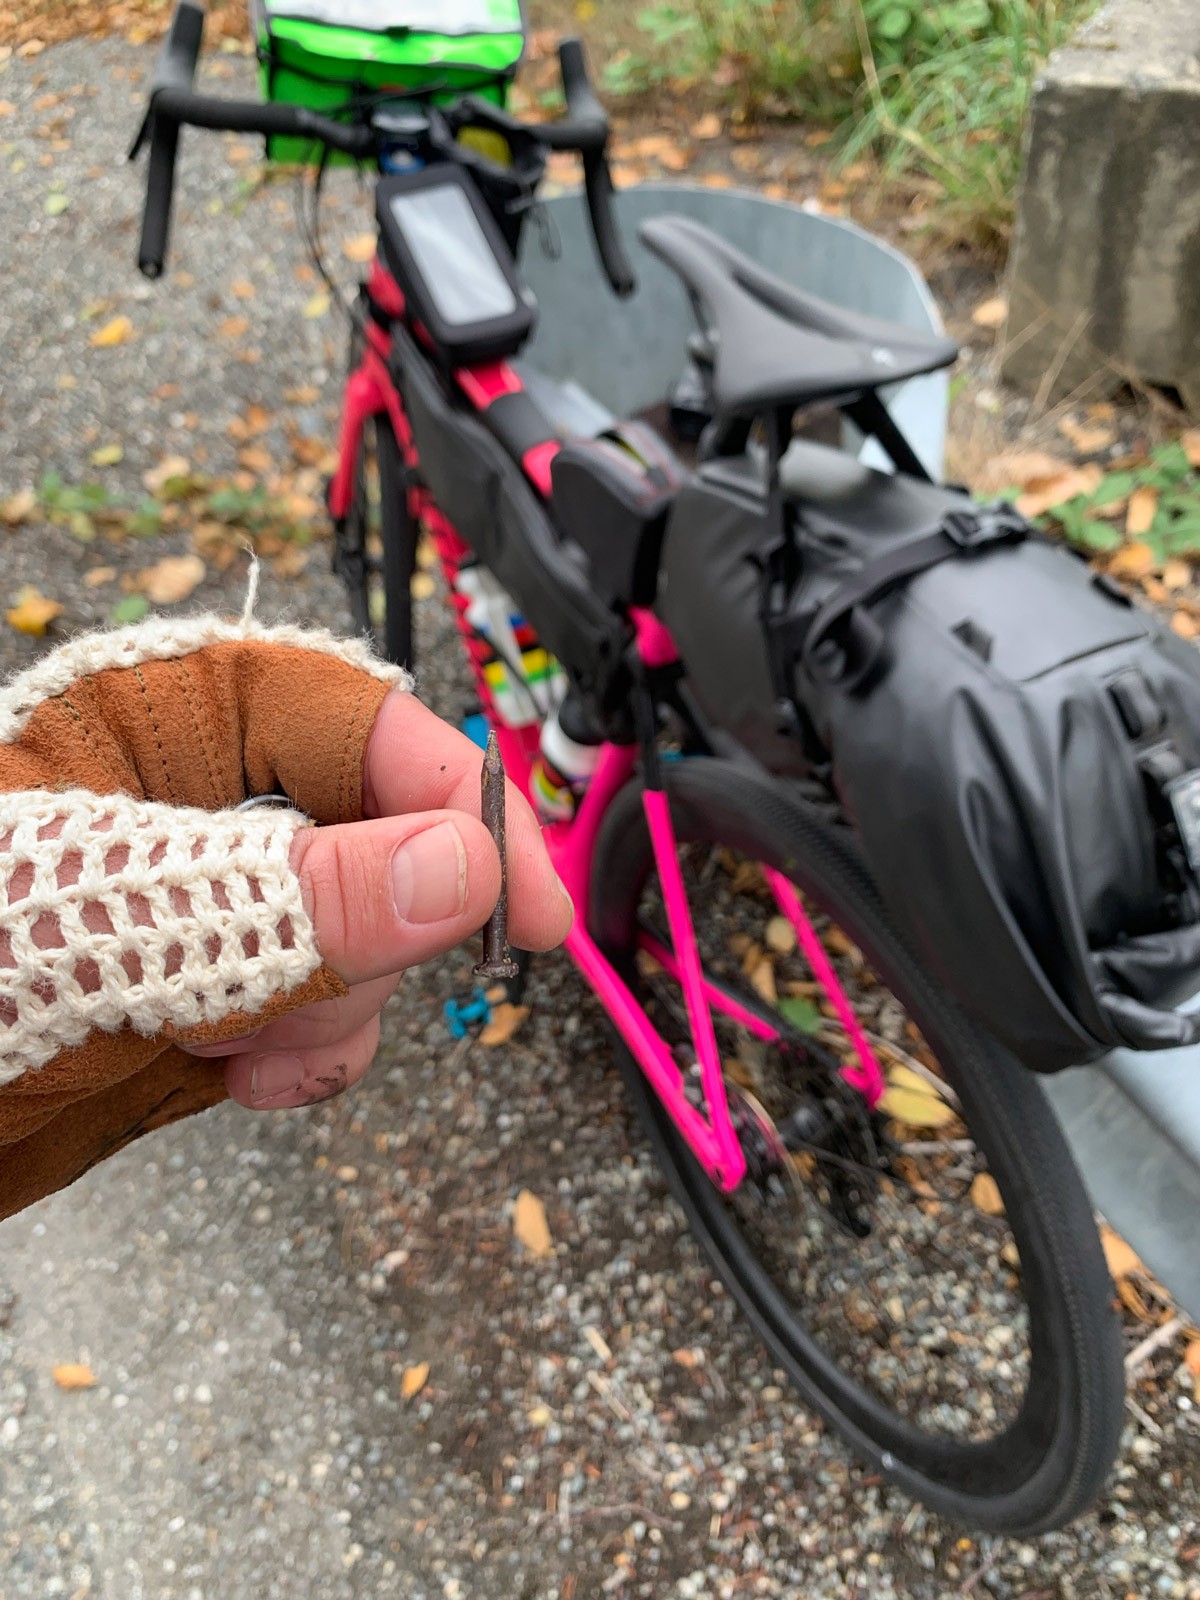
<point>569,752</point>
<point>523,678</point>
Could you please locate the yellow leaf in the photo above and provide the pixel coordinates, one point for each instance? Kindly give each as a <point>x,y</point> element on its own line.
<point>172,579</point>
<point>1043,493</point>
<point>169,467</point>
<point>990,313</point>
<point>318,306</point>
<point>99,575</point>
<point>74,1375</point>
<point>1122,1258</point>
<point>414,1380</point>
<point>1134,560</point>
<point>506,1019</point>
<point>422,586</point>
<point>585,10</point>
<point>1143,503</point>
<point>1191,445</point>
<point>708,126</point>
<point>108,455</point>
<point>781,936</point>
<point>360,248</point>
<point>985,1195</point>
<point>909,1098</point>
<point>19,507</point>
<point>118,330</point>
<point>33,613</point>
<point>530,1225</point>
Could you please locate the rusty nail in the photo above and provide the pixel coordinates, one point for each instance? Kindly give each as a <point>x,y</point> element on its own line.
<point>497,960</point>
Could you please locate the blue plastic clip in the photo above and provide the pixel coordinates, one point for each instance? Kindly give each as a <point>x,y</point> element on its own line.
<point>461,1014</point>
<point>476,727</point>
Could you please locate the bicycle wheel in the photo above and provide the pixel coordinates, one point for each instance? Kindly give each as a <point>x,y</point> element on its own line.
<point>929,1275</point>
<point>375,548</point>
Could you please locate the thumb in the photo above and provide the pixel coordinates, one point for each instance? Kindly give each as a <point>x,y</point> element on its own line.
<point>386,895</point>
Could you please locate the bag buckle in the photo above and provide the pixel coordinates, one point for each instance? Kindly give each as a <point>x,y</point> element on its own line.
<point>981,526</point>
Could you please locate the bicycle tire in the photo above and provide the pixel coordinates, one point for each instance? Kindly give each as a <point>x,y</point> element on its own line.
<point>392,631</point>
<point>1052,1460</point>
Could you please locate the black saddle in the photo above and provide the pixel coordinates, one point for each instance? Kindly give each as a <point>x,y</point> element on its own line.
<point>774,345</point>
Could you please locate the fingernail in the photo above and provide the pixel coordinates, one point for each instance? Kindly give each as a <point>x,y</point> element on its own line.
<point>429,875</point>
<point>273,1077</point>
<point>223,1047</point>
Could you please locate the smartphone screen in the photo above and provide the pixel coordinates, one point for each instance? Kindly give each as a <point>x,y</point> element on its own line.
<point>453,255</point>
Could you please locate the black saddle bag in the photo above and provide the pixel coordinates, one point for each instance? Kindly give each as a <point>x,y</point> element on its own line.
<point>1016,745</point>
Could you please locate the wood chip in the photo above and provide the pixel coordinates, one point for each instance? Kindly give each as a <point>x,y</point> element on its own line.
<point>991,313</point>
<point>986,1196</point>
<point>597,1341</point>
<point>74,1375</point>
<point>506,1019</point>
<point>530,1225</point>
<point>414,1380</point>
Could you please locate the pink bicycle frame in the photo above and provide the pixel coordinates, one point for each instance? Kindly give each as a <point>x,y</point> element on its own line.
<point>709,1132</point>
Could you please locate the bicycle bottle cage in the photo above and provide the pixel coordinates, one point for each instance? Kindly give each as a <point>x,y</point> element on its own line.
<point>442,245</point>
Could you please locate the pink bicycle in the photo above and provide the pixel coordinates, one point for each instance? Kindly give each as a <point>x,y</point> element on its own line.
<point>884,1190</point>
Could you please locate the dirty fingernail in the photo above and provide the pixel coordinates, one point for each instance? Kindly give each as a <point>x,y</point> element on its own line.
<point>429,875</point>
<point>274,1077</point>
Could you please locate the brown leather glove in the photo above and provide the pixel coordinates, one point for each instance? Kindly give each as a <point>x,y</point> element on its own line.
<point>158,914</point>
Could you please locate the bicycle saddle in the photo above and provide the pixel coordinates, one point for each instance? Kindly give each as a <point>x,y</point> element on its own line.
<point>776,345</point>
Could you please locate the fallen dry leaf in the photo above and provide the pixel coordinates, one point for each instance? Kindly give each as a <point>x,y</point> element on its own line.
<point>990,313</point>
<point>108,455</point>
<point>688,1358</point>
<point>1086,440</point>
<point>1021,468</point>
<point>308,394</point>
<point>414,1380</point>
<point>1191,1357</point>
<point>1041,494</point>
<point>1122,1258</point>
<point>1134,560</point>
<point>423,586</point>
<point>1143,504</point>
<point>910,1099</point>
<point>1185,625</point>
<point>234,328</point>
<point>506,1019</point>
<point>242,289</point>
<point>118,330</point>
<point>708,126</point>
<point>985,1195</point>
<point>781,936</point>
<point>763,979</point>
<point>1176,575</point>
<point>19,507</point>
<point>172,579</point>
<point>255,459</point>
<point>169,467</point>
<point>360,248</point>
<point>530,1225</point>
<point>1191,445</point>
<point>540,1416</point>
<point>715,180</point>
<point>33,613</point>
<point>318,306</point>
<point>99,575</point>
<point>74,1375</point>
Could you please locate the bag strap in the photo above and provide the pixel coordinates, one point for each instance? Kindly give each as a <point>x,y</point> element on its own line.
<point>843,644</point>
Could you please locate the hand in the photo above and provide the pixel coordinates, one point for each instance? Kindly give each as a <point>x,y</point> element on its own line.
<point>390,893</point>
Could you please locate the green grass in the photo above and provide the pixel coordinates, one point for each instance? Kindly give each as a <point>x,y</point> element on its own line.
<point>937,94</point>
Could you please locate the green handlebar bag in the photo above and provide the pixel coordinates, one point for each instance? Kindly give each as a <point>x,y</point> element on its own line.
<point>329,55</point>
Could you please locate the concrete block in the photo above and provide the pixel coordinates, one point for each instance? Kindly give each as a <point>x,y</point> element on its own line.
<point>1105,271</point>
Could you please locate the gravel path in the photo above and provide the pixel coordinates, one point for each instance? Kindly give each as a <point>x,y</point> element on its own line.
<point>250,1290</point>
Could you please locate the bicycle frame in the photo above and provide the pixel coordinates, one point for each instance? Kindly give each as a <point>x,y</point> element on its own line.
<point>709,1131</point>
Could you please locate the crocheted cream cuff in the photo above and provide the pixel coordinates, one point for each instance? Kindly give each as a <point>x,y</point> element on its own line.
<point>116,911</point>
